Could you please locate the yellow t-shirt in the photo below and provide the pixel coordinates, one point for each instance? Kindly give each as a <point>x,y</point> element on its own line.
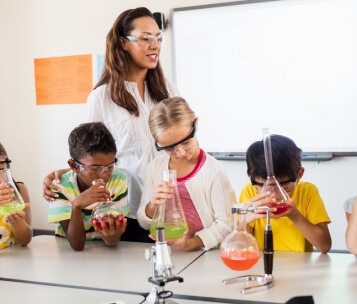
<point>286,236</point>
<point>6,236</point>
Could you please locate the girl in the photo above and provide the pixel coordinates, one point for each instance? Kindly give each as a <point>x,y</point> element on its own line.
<point>14,227</point>
<point>132,82</point>
<point>204,187</point>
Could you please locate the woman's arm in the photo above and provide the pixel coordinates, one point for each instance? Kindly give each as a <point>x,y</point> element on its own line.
<point>48,184</point>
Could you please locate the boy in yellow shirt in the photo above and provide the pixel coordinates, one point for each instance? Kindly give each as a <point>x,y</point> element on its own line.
<point>304,225</point>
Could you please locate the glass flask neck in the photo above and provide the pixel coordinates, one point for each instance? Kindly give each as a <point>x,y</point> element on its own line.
<point>169,176</point>
<point>6,176</point>
<point>240,222</point>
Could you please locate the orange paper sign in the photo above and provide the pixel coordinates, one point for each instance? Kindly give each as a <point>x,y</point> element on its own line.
<point>63,80</point>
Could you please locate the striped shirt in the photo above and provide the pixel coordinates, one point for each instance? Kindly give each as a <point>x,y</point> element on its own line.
<point>61,208</point>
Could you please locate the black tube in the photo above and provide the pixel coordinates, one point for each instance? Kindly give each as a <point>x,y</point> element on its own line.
<point>268,251</point>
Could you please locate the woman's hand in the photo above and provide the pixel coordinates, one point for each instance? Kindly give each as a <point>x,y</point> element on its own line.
<point>48,184</point>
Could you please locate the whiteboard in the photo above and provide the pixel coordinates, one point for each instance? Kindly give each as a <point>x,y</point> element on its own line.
<point>289,65</point>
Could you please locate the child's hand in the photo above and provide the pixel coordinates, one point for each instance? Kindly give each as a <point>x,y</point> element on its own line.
<point>260,199</point>
<point>6,193</point>
<point>112,229</point>
<point>160,193</point>
<point>16,217</point>
<point>289,213</point>
<point>94,194</point>
<point>183,243</point>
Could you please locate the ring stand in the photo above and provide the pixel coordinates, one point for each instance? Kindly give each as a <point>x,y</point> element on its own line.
<point>266,281</point>
<point>161,270</point>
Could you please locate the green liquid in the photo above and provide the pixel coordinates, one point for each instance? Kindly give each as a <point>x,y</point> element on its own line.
<point>6,209</point>
<point>172,230</point>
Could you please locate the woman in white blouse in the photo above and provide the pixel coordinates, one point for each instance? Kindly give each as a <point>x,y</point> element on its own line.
<point>132,82</point>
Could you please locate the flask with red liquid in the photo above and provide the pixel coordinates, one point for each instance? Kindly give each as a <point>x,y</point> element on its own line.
<point>104,211</point>
<point>271,184</point>
<point>239,250</point>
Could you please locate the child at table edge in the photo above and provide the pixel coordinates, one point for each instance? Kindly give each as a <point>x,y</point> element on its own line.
<point>92,149</point>
<point>304,225</point>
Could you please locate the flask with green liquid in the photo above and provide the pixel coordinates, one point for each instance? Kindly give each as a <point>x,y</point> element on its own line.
<point>170,215</point>
<point>16,203</point>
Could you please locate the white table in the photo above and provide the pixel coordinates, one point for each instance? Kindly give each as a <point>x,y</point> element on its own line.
<point>329,278</point>
<point>50,259</point>
<point>17,293</point>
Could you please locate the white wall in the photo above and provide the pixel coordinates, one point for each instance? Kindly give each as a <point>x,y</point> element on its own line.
<point>36,136</point>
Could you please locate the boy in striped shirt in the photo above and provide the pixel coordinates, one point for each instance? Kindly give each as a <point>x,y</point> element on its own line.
<point>92,179</point>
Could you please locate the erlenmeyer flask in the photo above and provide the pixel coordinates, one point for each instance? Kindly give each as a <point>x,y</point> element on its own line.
<point>105,210</point>
<point>271,184</point>
<point>239,250</point>
<point>170,215</point>
<point>16,203</point>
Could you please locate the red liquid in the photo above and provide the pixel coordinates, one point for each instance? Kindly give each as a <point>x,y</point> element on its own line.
<point>240,259</point>
<point>99,224</point>
<point>280,207</point>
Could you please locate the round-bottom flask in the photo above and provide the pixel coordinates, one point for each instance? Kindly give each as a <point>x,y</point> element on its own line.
<point>105,211</point>
<point>239,250</point>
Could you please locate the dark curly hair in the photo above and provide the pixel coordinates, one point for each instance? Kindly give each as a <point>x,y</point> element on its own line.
<point>89,139</point>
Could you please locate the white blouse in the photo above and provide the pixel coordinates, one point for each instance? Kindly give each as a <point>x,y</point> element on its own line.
<point>135,145</point>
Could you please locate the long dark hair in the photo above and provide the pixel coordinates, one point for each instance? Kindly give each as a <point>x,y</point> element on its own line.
<point>116,64</point>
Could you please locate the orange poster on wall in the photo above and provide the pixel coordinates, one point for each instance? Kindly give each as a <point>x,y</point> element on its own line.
<point>63,80</point>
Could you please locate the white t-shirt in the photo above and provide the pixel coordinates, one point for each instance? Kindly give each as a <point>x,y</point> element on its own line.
<point>135,145</point>
<point>348,205</point>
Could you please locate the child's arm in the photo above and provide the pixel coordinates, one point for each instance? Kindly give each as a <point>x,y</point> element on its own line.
<point>74,227</point>
<point>351,232</point>
<point>318,235</point>
<point>21,220</point>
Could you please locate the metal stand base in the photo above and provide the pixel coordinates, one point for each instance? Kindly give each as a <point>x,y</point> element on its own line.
<point>264,282</point>
<point>159,296</point>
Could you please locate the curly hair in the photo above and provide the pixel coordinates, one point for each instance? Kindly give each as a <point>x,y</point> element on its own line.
<point>89,139</point>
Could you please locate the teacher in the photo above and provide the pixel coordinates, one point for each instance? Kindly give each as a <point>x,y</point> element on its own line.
<point>132,82</point>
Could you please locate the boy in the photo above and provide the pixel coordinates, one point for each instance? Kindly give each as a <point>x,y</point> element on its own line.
<point>92,149</point>
<point>304,224</point>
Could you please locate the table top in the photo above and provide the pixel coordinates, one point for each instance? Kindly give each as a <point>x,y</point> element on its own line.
<point>329,278</point>
<point>17,293</point>
<point>51,259</point>
<point>48,263</point>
